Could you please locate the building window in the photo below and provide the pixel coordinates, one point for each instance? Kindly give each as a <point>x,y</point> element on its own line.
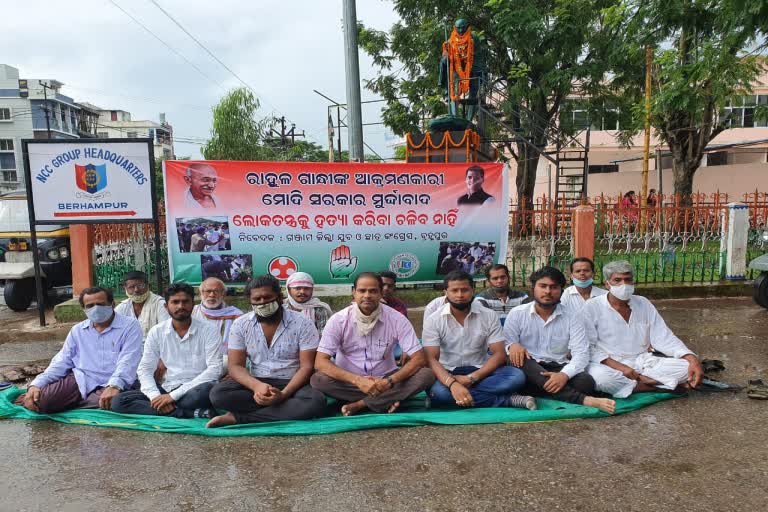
<point>600,169</point>
<point>131,135</point>
<point>7,160</point>
<point>717,158</point>
<point>103,135</point>
<point>746,111</point>
<point>113,115</point>
<point>166,153</point>
<point>5,114</point>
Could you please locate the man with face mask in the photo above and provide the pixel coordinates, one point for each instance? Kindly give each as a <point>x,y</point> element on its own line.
<point>300,287</point>
<point>141,304</point>
<point>499,296</point>
<point>190,351</point>
<point>582,273</point>
<point>457,342</point>
<point>280,345</point>
<point>539,338</point>
<point>214,311</point>
<point>362,337</point>
<point>623,329</point>
<point>98,360</point>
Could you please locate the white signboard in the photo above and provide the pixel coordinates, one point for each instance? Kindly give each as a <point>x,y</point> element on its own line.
<point>88,181</point>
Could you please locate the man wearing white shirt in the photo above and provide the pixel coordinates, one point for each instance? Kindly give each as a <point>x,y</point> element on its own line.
<point>457,341</point>
<point>623,329</point>
<point>190,350</point>
<point>582,274</point>
<point>539,337</point>
<point>141,304</point>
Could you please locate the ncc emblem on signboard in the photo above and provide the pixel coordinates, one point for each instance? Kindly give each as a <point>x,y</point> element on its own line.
<point>91,178</point>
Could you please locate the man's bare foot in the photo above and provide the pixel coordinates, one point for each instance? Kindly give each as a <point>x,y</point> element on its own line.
<point>222,421</point>
<point>604,404</point>
<point>20,399</point>
<point>393,407</point>
<point>352,408</point>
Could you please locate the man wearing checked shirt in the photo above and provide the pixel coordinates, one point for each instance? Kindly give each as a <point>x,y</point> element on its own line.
<point>539,336</point>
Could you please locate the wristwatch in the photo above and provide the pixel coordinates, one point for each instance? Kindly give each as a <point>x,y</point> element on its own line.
<point>115,387</point>
<point>389,379</point>
<point>472,379</point>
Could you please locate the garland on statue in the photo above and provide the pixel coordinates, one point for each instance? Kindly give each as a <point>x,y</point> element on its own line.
<point>461,51</point>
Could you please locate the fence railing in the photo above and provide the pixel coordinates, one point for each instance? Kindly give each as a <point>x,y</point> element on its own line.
<point>673,239</point>
<point>120,248</point>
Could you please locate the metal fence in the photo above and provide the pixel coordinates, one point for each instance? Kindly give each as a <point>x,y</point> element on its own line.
<point>120,248</point>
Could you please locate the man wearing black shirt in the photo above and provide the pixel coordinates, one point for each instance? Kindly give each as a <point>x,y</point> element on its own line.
<point>475,195</point>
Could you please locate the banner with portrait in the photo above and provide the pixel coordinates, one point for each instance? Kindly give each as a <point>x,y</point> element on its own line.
<point>234,220</point>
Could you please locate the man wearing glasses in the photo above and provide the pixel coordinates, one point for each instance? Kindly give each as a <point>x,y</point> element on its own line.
<point>98,360</point>
<point>201,179</point>
<point>213,310</point>
<point>623,329</point>
<point>141,304</point>
<point>362,337</point>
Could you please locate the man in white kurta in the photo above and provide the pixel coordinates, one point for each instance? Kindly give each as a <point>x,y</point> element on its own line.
<point>623,329</point>
<point>141,304</point>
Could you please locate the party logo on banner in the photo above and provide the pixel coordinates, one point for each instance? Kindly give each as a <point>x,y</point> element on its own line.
<point>404,264</point>
<point>282,267</point>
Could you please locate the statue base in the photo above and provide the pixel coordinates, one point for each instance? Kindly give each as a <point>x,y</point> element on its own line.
<point>449,123</point>
<point>448,146</point>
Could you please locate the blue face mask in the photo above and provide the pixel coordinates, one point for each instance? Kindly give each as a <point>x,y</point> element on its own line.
<point>578,283</point>
<point>99,314</point>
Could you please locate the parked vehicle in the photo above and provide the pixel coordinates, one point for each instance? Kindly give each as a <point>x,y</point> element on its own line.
<point>760,293</point>
<point>16,263</point>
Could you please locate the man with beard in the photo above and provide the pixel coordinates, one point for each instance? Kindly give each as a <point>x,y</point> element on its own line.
<point>214,311</point>
<point>190,350</point>
<point>457,342</point>
<point>624,330</point>
<point>280,345</point>
<point>500,297</point>
<point>362,337</point>
<point>201,179</point>
<point>98,360</point>
<point>539,337</point>
<point>300,287</point>
<point>141,304</point>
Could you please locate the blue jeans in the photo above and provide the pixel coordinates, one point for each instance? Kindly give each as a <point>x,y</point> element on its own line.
<point>492,391</point>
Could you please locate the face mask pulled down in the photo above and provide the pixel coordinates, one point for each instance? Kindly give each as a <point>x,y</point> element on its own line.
<point>622,292</point>
<point>578,283</point>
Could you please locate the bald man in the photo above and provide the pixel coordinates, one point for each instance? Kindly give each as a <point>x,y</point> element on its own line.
<point>213,310</point>
<point>201,179</point>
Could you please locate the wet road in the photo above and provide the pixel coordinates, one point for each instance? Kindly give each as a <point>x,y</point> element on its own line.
<point>706,452</point>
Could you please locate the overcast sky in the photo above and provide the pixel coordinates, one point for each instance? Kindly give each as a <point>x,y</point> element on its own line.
<point>282,49</point>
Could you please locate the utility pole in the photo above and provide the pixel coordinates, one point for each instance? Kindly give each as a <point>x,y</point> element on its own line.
<point>285,134</point>
<point>352,71</point>
<point>647,142</point>
<point>45,87</point>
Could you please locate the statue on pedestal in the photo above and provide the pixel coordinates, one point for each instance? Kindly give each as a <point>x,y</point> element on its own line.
<point>462,67</point>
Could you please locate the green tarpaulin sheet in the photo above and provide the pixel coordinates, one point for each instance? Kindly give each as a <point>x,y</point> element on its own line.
<point>412,413</point>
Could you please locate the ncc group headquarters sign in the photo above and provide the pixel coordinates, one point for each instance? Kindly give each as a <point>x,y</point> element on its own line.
<point>88,181</point>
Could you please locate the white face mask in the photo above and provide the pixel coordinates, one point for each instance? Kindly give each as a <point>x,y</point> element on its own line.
<point>266,310</point>
<point>622,292</point>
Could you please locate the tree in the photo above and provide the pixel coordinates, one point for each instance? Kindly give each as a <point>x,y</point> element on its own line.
<point>236,133</point>
<point>539,48</point>
<point>702,60</point>
<point>159,186</point>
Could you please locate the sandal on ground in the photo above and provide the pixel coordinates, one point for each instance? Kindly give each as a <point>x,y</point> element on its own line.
<point>757,390</point>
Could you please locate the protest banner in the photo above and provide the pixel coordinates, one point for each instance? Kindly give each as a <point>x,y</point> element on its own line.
<point>233,220</point>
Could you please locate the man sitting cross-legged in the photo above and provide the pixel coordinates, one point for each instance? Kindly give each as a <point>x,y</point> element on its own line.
<point>622,328</point>
<point>98,360</point>
<point>189,347</point>
<point>300,287</point>
<point>539,337</point>
<point>363,338</point>
<point>280,345</point>
<point>457,339</point>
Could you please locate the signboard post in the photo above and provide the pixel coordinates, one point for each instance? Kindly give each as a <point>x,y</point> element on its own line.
<point>89,181</point>
<point>234,220</point>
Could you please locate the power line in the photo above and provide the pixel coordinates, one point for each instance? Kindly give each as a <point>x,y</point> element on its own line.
<point>166,44</point>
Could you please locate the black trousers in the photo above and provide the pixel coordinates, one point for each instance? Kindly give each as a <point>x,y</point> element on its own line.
<point>232,396</point>
<point>577,388</point>
<point>136,402</point>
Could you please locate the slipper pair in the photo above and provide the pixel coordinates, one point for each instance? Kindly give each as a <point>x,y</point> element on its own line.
<point>5,385</point>
<point>757,390</point>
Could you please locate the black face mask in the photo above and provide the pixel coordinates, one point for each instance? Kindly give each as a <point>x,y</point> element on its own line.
<point>547,306</point>
<point>461,306</point>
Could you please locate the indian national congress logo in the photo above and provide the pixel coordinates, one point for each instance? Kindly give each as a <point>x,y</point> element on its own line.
<point>91,178</point>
